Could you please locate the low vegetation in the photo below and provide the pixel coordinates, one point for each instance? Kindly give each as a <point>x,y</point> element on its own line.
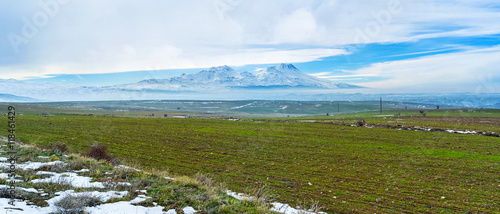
<point>200,192</point>
<point>342,169</point>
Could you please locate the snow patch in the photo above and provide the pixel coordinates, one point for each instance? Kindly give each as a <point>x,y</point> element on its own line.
<point>68,177</point>
<point>287,209</point>
<point>31,165</point>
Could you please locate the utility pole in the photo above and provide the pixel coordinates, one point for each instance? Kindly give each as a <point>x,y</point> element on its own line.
<point>380,105</point>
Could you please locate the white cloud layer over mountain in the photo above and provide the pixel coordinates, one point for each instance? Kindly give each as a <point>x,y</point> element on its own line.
<point>47,37</point>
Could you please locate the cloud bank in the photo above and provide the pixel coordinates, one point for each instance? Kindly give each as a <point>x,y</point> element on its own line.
<point>47,37</point>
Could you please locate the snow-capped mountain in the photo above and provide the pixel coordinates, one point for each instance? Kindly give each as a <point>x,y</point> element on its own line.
<point>224,77</point>
<point>283,75</point>
<point>289,75</point>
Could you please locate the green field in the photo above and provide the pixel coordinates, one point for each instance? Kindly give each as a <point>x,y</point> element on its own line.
<point>456,119</point>
<point>196,108</point>
<point>345,169</point>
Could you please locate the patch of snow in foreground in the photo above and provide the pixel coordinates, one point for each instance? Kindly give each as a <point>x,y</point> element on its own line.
<point>32,209</point>
<point>103,196</point>
<point>124,207</point>
<point>461,132</point>
<point>6,176</point>
<point>277,207</point>
<point>239,196</point>
<point>33,190</point>
<point>69,178</point>
<point>82,170</point>
<point>127,167</point>
<point>287,209</point>
<point>31,165</point>
<point>189,210</point>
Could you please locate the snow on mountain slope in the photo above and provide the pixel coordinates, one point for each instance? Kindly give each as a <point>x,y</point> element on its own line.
<point>289,75</point>
<point>283,75</point>
<point>215,78</point>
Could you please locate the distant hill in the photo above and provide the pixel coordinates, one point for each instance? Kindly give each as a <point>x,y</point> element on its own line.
<point>281,76</point>
<point>14,98</point>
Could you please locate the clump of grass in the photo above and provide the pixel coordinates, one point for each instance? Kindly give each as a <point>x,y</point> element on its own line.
<point>76,204</point>
<point>59,147</point>
<point>311,206</point>
<point>26,174</point>
<point>124,173</point>
<point>204,179</point>
<point>58,185</point>
<point>260,193</point>
<point>57,167</point>
<point>78,162</point>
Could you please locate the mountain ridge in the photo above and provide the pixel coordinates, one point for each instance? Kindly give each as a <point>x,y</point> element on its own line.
<point>282,76</point>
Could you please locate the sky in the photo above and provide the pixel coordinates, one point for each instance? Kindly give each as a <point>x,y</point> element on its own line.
<point>386,46</point>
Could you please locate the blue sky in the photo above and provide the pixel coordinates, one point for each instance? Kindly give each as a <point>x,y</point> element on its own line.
<point>386,46</point>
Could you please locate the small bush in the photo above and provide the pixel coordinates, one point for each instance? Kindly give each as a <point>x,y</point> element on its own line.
<point>361,123</point>
<point>98,152</point>
<point>76,204</point>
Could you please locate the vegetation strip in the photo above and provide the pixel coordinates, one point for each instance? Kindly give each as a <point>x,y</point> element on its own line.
<point>118,189</point>
<point>409,128</point>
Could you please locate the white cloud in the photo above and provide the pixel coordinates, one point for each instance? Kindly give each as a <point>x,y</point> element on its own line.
<point>328,75</point>
<point>470,71</point>
<point>298,27</point>
<point>124,35</point>
<point>167,57</point>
